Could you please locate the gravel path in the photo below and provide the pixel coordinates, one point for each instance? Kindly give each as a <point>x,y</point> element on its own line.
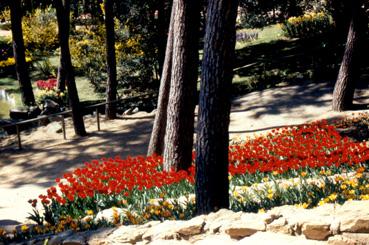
<point>26,174</point>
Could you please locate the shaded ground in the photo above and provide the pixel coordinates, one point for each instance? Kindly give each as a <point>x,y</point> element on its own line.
<point>27,173</point>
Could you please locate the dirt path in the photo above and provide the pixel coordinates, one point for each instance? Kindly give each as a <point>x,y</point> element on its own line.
<point>26,174</point>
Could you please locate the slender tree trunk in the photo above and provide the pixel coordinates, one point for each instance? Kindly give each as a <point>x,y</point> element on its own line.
<point>62,12</point>
<point>181,104</point>
<point>156,145</point>
<point>25,85</point>
<point>61,77</point>
<point>212,182</point>
<point>344,89</point>
<point>111,89</point>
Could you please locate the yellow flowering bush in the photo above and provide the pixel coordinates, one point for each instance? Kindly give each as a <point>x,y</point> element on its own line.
<point>307,25</point>
<point>40,31</point>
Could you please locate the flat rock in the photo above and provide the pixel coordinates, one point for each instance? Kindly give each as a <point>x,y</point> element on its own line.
<point>192,227</point>
<point>218,239</point>
<point>169,242</point>
<point>279,226</point>
<point>99,236</point>
<point>349,239</point>
<point>247,225</point>
<point>163,231</point>
<point>75,240</point>
<point>262,238</point>
<point>214,221</point>
<point>316,231</point>
<point>127,234</point>
<point>59,238</point>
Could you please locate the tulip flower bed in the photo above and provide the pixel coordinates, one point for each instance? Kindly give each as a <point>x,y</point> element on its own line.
<point>307,165</point>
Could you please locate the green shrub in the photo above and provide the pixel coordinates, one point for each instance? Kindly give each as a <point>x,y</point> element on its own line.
<point>308,25</point>
<point>40,32</point>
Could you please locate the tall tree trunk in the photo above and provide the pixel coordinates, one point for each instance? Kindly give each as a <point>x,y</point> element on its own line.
<point>212,182</point>
<point>344,89</point>
<point>63,12</point>
<point>181,104</point>
<point>156,145</point>
<point>25,85</point>
<point>61,77</point>
<point>111,88</point>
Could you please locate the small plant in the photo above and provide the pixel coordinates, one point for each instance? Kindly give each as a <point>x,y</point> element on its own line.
<point>247,36</point>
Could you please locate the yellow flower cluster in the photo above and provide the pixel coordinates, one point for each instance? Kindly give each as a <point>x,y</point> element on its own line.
<point>306,18</point>
<point>11,61</point>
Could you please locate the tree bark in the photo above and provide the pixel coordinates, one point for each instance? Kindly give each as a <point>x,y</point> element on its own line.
<point>181,104</point>
<point>63,16</point>
<point>348,74</point>
<point>212,182</point>
<point>111,88</point>
<point>156,145</point>
<point>25,85</point>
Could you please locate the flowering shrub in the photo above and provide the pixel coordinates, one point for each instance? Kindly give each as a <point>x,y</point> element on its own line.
<point>11,62</point>
<point>308,25</point>
<point>306,165</point>
<point>47,90</point>
<point>40,31</point>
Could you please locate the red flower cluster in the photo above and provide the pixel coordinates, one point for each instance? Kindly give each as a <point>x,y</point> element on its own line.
<point>312,145</point>
<point>116,176</point>
<point>46,84</point>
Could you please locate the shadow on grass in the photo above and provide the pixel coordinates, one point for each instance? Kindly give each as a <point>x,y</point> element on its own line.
<point>267,64</point>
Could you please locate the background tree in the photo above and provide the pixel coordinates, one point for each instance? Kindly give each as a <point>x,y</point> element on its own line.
<point>63,15</point>
<point>156,145</point>
<point>111,88</point>
<point>181,103</point>
<point>212,184</point>
<point>25,85</point>
<point>348,74</point>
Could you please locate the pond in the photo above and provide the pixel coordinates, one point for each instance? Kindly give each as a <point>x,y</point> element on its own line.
<point>6,103</point>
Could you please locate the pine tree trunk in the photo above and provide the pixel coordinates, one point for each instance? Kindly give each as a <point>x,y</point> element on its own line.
<point>156,145</point>
<point>63,12</point>
<point>181,103</point>
<point>61,77</point>
<point>25,85</point>
<point>344,89</point>
<point>212,182</point>
<point>111,89</point>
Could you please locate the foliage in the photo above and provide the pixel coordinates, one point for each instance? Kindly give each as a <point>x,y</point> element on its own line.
<point>5,15</point>
<point>47,90</point>
<point>40,32</point>
<point>6,49</point>
<point>88,53</point>
<point>45,68</point>
<point>308,25</point>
